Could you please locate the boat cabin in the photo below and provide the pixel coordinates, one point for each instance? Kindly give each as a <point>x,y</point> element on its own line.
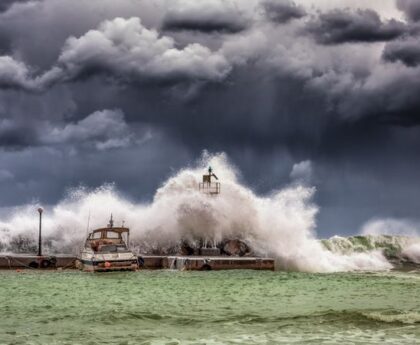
<point>108,240</point>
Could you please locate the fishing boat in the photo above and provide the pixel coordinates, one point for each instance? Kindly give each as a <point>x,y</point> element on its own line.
<point>106,249</point>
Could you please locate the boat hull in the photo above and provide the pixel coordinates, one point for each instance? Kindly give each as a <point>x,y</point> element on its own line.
<point>107,266</point>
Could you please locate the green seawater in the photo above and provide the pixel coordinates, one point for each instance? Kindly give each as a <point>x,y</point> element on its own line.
<point>225,307</point>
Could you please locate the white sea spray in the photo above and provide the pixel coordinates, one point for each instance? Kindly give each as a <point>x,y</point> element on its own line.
<point>281,224</point>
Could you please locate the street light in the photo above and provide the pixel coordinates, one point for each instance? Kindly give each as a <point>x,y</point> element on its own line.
<point>40,210</point>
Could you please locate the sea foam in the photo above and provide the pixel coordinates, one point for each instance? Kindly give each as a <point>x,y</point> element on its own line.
<point>281,224</point>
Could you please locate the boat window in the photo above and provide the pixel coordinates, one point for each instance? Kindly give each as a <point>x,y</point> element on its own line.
<point>96,235</point>
<point>122,249</point>
<point>112,248</point>
<point>112,234</point>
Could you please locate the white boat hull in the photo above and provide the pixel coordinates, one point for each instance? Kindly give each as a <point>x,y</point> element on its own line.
<point>108,262</point>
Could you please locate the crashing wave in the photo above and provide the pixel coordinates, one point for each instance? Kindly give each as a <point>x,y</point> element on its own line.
<point>281,225</point>
<point>394,248</point>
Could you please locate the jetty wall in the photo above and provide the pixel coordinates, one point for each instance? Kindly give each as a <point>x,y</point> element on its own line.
<point>188,263</point>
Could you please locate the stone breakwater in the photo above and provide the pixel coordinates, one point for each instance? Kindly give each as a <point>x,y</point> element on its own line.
<point>189,263</point>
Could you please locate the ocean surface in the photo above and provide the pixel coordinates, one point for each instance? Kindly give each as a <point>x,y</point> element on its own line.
<point>225,307</point>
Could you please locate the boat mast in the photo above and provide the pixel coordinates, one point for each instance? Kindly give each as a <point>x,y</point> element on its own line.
<point>111,222</point>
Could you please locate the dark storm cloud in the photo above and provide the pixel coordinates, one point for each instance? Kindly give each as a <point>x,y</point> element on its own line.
<point>15,136</point>
<point>124,49</point>
<point>406,50</point>
<point>13,74</point>
<point>6,4</point>
<point>5,42</point>
<point>282,11</point>
<point>206,17</point>
<point>101,130</point>
<point>5,45</point>
<point>386,96</point>
<point>132,54</point>
<point>51,22</point>
<point>130,50</point>
<point>411,8</point>
<point>343,26</point>
<point>215,75</point>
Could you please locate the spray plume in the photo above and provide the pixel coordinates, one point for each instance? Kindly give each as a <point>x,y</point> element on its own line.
<point>281,224</point>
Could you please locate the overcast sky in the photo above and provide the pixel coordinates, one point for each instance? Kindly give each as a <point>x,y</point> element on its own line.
<point>129,91</point>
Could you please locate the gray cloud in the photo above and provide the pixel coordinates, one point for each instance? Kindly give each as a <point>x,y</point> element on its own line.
<point>130,53</point>
<point>20,22</point>
<point>104,130</point>
<point>14,74</point>
<point>406,50</point>
<point>101,130</point>
<point>343,26</point>
<point>5,175</point>
<point>15,134</point>
<point>206,16</point>
<point>387,95</point>
<point>302,172</point>
<point>125,50</point>
<point>6,4</point>
<point>411,8</point>
<point>282,11</point>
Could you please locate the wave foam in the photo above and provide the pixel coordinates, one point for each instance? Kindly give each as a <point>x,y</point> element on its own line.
<point>280,225</point>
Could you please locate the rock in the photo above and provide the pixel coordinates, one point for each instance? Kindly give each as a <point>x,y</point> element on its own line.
<point>235,248</point>
<point>186,249</point>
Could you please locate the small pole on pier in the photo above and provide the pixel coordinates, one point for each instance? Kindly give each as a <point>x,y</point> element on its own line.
<point>40,210</point>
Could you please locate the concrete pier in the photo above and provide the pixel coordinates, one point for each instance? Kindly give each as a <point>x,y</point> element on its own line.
<point>188,263</point>
<point>210,263</point>
<point>14,261</point>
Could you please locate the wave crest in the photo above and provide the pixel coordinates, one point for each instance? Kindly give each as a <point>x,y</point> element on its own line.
<point>281,224</point>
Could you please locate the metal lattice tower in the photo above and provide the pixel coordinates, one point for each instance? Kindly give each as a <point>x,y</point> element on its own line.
<point>208,186</point>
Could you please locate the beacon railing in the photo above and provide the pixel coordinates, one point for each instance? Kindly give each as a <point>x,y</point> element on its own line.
<point>211,188</point>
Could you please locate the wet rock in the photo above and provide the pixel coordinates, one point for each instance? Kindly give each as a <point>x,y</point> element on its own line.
<point>186,249</point>
<point>235,248</point>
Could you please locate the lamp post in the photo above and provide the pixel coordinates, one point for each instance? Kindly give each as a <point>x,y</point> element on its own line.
<point>40,210</point>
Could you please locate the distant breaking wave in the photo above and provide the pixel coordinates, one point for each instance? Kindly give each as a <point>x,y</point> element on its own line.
<point>281,225</point>
<point>394,248</point>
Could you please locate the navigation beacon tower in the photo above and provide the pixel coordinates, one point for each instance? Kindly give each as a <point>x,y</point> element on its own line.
<point>209,187</point>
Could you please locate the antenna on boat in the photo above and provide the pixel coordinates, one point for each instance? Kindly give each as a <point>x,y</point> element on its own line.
<point>111,222</point>
<point>88,223</point>
<point>128,235</point>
